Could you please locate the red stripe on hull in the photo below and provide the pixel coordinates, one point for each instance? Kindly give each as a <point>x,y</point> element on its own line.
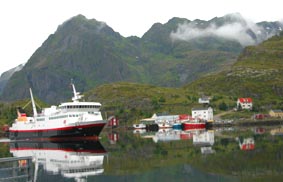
<point>69,133</point>
<point>61,129</point>
<point>54,149</point>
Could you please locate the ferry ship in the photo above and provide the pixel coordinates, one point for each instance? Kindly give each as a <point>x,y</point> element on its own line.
<point>69,119</point>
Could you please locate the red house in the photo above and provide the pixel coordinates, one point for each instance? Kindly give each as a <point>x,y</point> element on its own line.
<point>245,103</point>
<point>247,144</point>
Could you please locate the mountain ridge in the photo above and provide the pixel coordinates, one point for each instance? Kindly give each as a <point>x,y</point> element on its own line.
<point>92,53</point>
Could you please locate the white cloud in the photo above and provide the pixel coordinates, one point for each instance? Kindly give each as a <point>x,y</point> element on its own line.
<point>234,31</point>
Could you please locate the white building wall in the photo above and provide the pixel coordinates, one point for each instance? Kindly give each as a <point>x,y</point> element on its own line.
<point>204,113</point>
<point>245,105</point>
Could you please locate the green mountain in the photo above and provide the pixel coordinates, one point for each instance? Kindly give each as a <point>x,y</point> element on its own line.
<point>4,78</point>
<point>257,74</point>
<point>171,54</point>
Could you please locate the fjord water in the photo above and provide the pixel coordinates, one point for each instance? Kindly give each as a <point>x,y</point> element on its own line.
<point>218,154</point>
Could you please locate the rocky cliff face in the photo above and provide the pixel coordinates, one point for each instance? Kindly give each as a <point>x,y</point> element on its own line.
<point>4,78</point>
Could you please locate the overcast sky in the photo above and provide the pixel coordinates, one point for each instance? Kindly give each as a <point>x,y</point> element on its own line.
<point>26,24</point>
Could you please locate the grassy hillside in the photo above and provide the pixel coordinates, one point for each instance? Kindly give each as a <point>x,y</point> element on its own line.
<point>132,101</point>
<point>257,74</point>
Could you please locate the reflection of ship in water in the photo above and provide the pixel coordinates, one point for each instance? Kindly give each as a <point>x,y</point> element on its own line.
<point>72,160</point>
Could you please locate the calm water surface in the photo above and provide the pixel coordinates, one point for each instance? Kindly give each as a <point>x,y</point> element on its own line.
<point>219,154</point>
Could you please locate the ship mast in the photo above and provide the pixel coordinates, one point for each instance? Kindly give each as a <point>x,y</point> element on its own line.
<point>77,95</point>
<point>33,103</point>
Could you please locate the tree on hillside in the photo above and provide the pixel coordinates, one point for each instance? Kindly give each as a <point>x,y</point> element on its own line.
<point>223,106</point>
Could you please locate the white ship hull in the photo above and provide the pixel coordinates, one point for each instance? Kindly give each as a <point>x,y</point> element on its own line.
<point>32,131</point>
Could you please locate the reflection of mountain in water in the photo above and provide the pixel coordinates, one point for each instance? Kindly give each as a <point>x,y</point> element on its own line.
<point>76,160</point>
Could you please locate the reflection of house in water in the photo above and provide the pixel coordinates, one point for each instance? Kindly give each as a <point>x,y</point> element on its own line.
<point>167,135</point>
<point>71,160</point>
<point>259,131</point>
<point>207,150</point>
<point>277,131</point>
<point>113,137</point>
<point>173,135</point>
<point>247,143</point>
<point>205,140</point>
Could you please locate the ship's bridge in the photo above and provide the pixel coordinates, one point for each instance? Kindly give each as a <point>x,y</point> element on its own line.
<point>80,105</point>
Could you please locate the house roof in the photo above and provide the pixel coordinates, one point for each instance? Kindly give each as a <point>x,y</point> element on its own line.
<point>277,111</point>
<point>245,100</point>
<point>249,146</point>
<point>201,109</point>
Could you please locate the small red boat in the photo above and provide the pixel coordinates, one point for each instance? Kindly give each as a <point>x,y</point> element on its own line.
<point>193,124</point>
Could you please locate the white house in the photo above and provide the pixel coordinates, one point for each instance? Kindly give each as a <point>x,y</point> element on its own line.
<point>203,113</point>
<point>204,100</point>
<point>245,103</point>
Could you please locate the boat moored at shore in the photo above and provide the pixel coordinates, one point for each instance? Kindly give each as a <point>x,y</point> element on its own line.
<point>69,119</point>
<point>193,124</point>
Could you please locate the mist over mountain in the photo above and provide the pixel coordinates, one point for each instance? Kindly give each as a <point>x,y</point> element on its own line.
<point>231,27</point>
<point>171,54</point>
